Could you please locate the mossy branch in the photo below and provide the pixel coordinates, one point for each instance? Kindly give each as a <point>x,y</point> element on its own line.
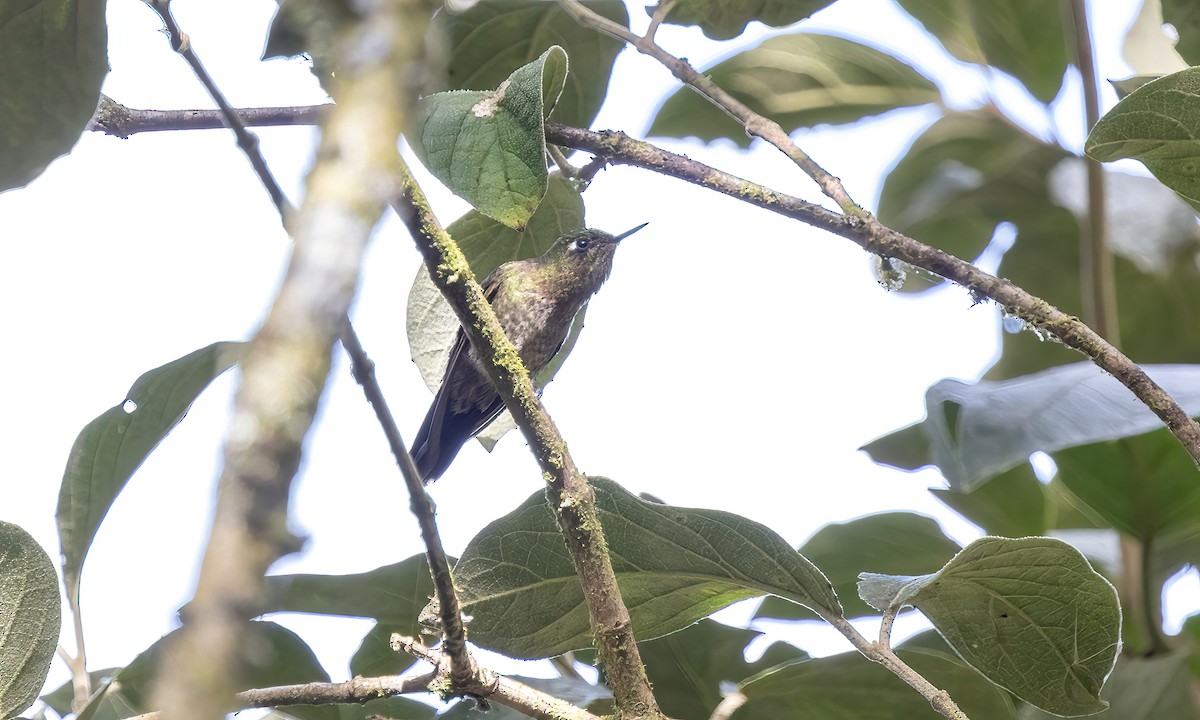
<point>567,490</point>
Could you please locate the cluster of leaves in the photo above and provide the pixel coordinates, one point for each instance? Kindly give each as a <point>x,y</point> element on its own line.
<point>1025,626</point>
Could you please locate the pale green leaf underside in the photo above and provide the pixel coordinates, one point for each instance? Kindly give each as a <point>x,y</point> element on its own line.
<point>30,616</point>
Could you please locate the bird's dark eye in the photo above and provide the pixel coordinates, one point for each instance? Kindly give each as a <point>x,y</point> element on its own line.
<point>581,244</point>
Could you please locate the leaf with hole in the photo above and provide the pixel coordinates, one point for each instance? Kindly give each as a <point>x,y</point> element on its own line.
<point>112,447</point>
<point>674,566</point>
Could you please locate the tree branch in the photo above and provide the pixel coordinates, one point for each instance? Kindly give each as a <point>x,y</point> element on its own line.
<point>619,149</point>
<point>567,490</point>
<point>286,365</point>
<point>503,690</point>
<point>449,608</point>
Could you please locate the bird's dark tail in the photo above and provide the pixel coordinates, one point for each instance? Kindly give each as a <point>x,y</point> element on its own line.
<point>443,433</point>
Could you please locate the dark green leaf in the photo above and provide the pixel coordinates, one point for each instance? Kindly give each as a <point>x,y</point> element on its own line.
<point>688,668</point>
<point>726,19</point>
<point>55,56</point>
<point>577,692</point>
<point>1030,614</point>
<point>393,594</point>
<point>488,147</point>
<point>674,565</point>
<point>1011,504</point>
<point>1155,124</point>
<point>271,655</point>
<point>797,80</point>
<point>30,615</point>
<point>375,656</point>
<point>494,37</point>
<point>850,687</point>
<point>966,174</point>
<point>1145,486</point>
<point>1026,40</point>
<point>432,325</point>
<point>1001,423</point>
<point>904,449</point>
<point>1144,688</point>
<point>895,543</point>
<point>110,448</point>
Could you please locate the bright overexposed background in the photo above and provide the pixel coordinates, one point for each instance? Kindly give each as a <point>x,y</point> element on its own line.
<point>735,360</point>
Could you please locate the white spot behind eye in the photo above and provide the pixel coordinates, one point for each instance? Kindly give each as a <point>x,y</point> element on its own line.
<point>128,406</point>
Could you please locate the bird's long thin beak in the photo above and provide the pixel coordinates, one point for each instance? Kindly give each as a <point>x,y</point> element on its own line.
<point>627,233</point>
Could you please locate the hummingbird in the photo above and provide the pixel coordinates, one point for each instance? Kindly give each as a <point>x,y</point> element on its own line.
<point>535,301</point>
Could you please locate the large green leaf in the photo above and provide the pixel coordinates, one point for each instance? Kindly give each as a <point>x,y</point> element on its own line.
<point>966,174</point>
<point>485,43</point>
<point>674,565</point>
<point>797,80</point>
<point>489,147</point>
<point>30,615</point>
<point>688,669</point>
<point>271,655</point>
<point>1030,614</point>
<point>1145,486</point>
<point>375,656</point>
<point>392,594</point>
<point>432,325</point>
<point>726,19</point>
<point>978,431</point>
<point>850,687</point>
<point>1026,40</point>
<point>55,56</point>
<point>896,543</point>
<point>1011,504</point>
<point>1156,124</point>
<point>112,447</point>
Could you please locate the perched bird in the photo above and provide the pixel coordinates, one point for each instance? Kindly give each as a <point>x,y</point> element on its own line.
<point>535,301</point>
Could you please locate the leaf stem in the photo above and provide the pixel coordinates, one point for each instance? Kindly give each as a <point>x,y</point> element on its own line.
<point>1099,282</point>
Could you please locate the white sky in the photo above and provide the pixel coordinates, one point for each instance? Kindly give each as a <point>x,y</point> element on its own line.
<point>735,360</point>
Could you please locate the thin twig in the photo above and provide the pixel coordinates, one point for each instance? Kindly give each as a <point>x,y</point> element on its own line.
<point>505,691</point>
<point>567,490</point>
<point>286,365</point>
<point>81,682</point>
<point>756,125</point>
<point>728,706</point>
<point>359,690</point>
<point>661,12</point>
<point>246,140</point>
<point>363,369</point>
<point>939,699</point>
<point>617,148</point>
<point>885,625</point>
<point>449,609</point>
<point>568,170</point>
<point>1099,281</point>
